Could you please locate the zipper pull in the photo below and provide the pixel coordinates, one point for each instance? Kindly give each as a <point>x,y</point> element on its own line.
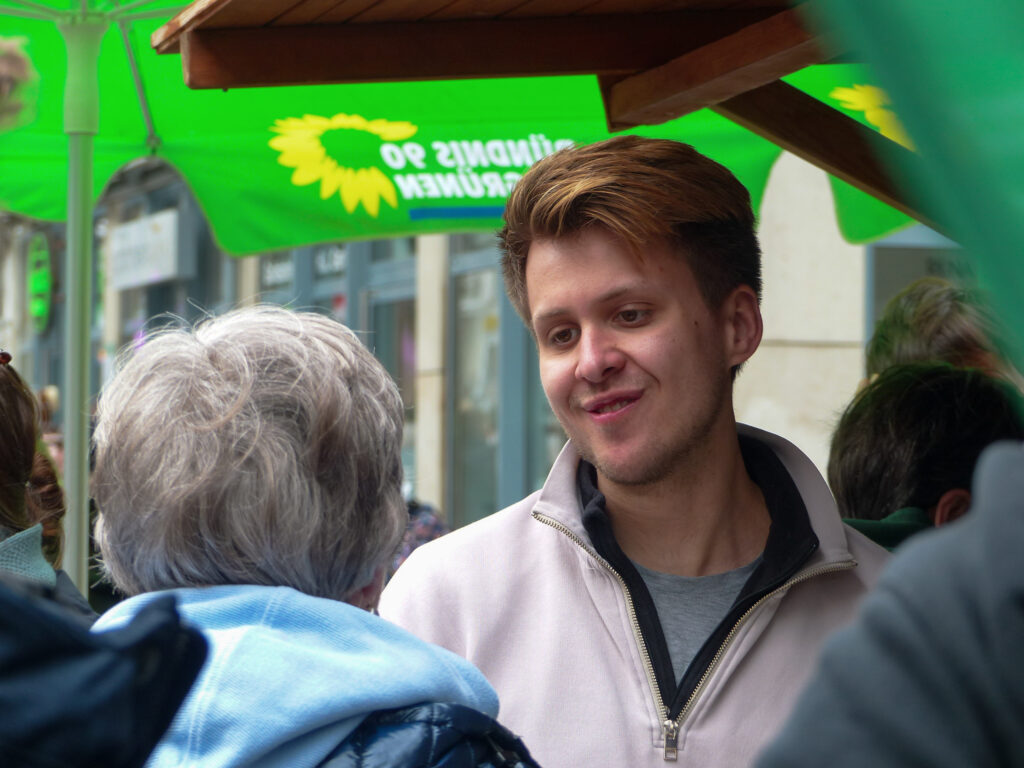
<point>671,731</point>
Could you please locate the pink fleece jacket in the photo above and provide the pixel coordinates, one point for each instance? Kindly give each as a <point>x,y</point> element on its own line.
<point>523,596</point>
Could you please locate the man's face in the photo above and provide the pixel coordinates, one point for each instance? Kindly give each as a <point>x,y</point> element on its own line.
<point>633,362</point>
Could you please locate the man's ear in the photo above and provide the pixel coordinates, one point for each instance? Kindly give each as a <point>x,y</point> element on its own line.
<point>742,322</point>
<point>952,504</point>
<point>367,596</point>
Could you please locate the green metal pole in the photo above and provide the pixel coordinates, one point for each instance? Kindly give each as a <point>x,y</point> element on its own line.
<point>82,36</point>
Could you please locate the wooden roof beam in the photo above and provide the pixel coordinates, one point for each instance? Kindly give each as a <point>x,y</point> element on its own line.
<point>829,139</point>
<point>378,52</point>
<point>756,55</point>
<point>166,38</point>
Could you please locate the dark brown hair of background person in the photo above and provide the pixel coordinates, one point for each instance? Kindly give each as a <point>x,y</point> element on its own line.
<point>29,490</point>
<point>914,434</point>
<point>44,499</point>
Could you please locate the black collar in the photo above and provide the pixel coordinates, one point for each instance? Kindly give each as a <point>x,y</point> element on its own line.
<point>791,541</point>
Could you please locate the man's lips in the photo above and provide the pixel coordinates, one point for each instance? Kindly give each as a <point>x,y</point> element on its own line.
<point>609,404</point>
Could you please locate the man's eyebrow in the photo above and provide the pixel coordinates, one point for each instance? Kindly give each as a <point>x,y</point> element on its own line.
<point>606,297</point>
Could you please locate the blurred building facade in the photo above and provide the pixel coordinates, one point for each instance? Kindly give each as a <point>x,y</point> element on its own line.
<point>479,434</point>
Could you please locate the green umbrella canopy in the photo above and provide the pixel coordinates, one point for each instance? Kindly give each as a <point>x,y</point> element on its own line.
<point>281,167</point>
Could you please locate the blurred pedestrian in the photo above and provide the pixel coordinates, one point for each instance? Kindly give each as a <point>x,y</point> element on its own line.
<point>904,451</point>
<point>425,524</point>
<point>31,499</point>
<point>934,320</point>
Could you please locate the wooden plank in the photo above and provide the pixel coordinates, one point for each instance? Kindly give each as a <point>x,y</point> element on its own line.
<point>346,11</point>
<point>716,5</point>
<point>306,12</point>
<point>250,13</point>
<point>474,9</point>
<point>215,14</point>
<point>826,137</point>
<point>754,56</point>
<point>548,8</point>
<point>631,6</point>
<point>280,55</point>
<point>165,39</point>
<point>663,6</point>
<point>749,4</point>
<point>399,10</point>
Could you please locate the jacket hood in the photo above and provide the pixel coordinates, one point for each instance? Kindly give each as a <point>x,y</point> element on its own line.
<point>288,676</point>
<point>22,555</point>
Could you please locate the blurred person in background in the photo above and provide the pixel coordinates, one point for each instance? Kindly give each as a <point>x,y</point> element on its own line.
<point>425,524</point>
<point>933,320</point>
<point>31,499</point>
<point>904,451</point>
<point>15,72</point>
<point>251,468</point>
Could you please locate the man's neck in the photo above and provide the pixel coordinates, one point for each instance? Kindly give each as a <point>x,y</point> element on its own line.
<point>707,517</point>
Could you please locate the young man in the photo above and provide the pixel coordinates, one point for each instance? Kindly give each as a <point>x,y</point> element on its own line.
<point>662,597</point>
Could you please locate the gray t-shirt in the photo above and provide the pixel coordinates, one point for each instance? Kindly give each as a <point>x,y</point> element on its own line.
<point>689,608</point>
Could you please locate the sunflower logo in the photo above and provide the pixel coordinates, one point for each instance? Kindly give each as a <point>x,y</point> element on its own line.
<point>314,146</point>
<point>873,102</point>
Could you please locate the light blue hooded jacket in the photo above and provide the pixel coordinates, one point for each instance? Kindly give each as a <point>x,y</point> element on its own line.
<point>288,676</point>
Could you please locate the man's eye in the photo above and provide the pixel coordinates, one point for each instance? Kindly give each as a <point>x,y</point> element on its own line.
<point>632,316</point>
<point>562,336</point>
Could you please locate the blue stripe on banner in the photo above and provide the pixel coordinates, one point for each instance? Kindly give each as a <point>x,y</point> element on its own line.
<point>463,212</point>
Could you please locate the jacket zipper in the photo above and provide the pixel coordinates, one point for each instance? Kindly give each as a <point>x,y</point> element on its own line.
<point>659,705</point>
<point>800,577</point>
<point>670,728</point>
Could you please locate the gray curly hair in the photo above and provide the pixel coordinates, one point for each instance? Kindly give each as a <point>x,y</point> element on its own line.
<point>261,447</point>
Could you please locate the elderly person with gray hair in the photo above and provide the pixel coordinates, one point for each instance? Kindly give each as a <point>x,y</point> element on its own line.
<point>252,469</point>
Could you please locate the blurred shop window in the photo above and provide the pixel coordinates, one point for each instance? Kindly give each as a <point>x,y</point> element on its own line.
<point>330,288</point>
<point>475,427</point>
<point>469,242</point>
<point>277,277</point>
<point>158,263</point>
<point>897,261</point>
<point>545,437</point>
<point>147,263</point>
<point>396,249</point>
<point>393,342</point>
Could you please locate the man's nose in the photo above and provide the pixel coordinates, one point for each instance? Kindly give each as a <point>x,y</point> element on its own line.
<point>599,355</point>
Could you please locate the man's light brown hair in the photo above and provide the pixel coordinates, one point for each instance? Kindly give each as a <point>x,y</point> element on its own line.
<point>640,191</point>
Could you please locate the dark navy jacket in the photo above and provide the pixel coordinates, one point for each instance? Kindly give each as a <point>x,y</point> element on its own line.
<point>431,736</point>
<point>73,699</point>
